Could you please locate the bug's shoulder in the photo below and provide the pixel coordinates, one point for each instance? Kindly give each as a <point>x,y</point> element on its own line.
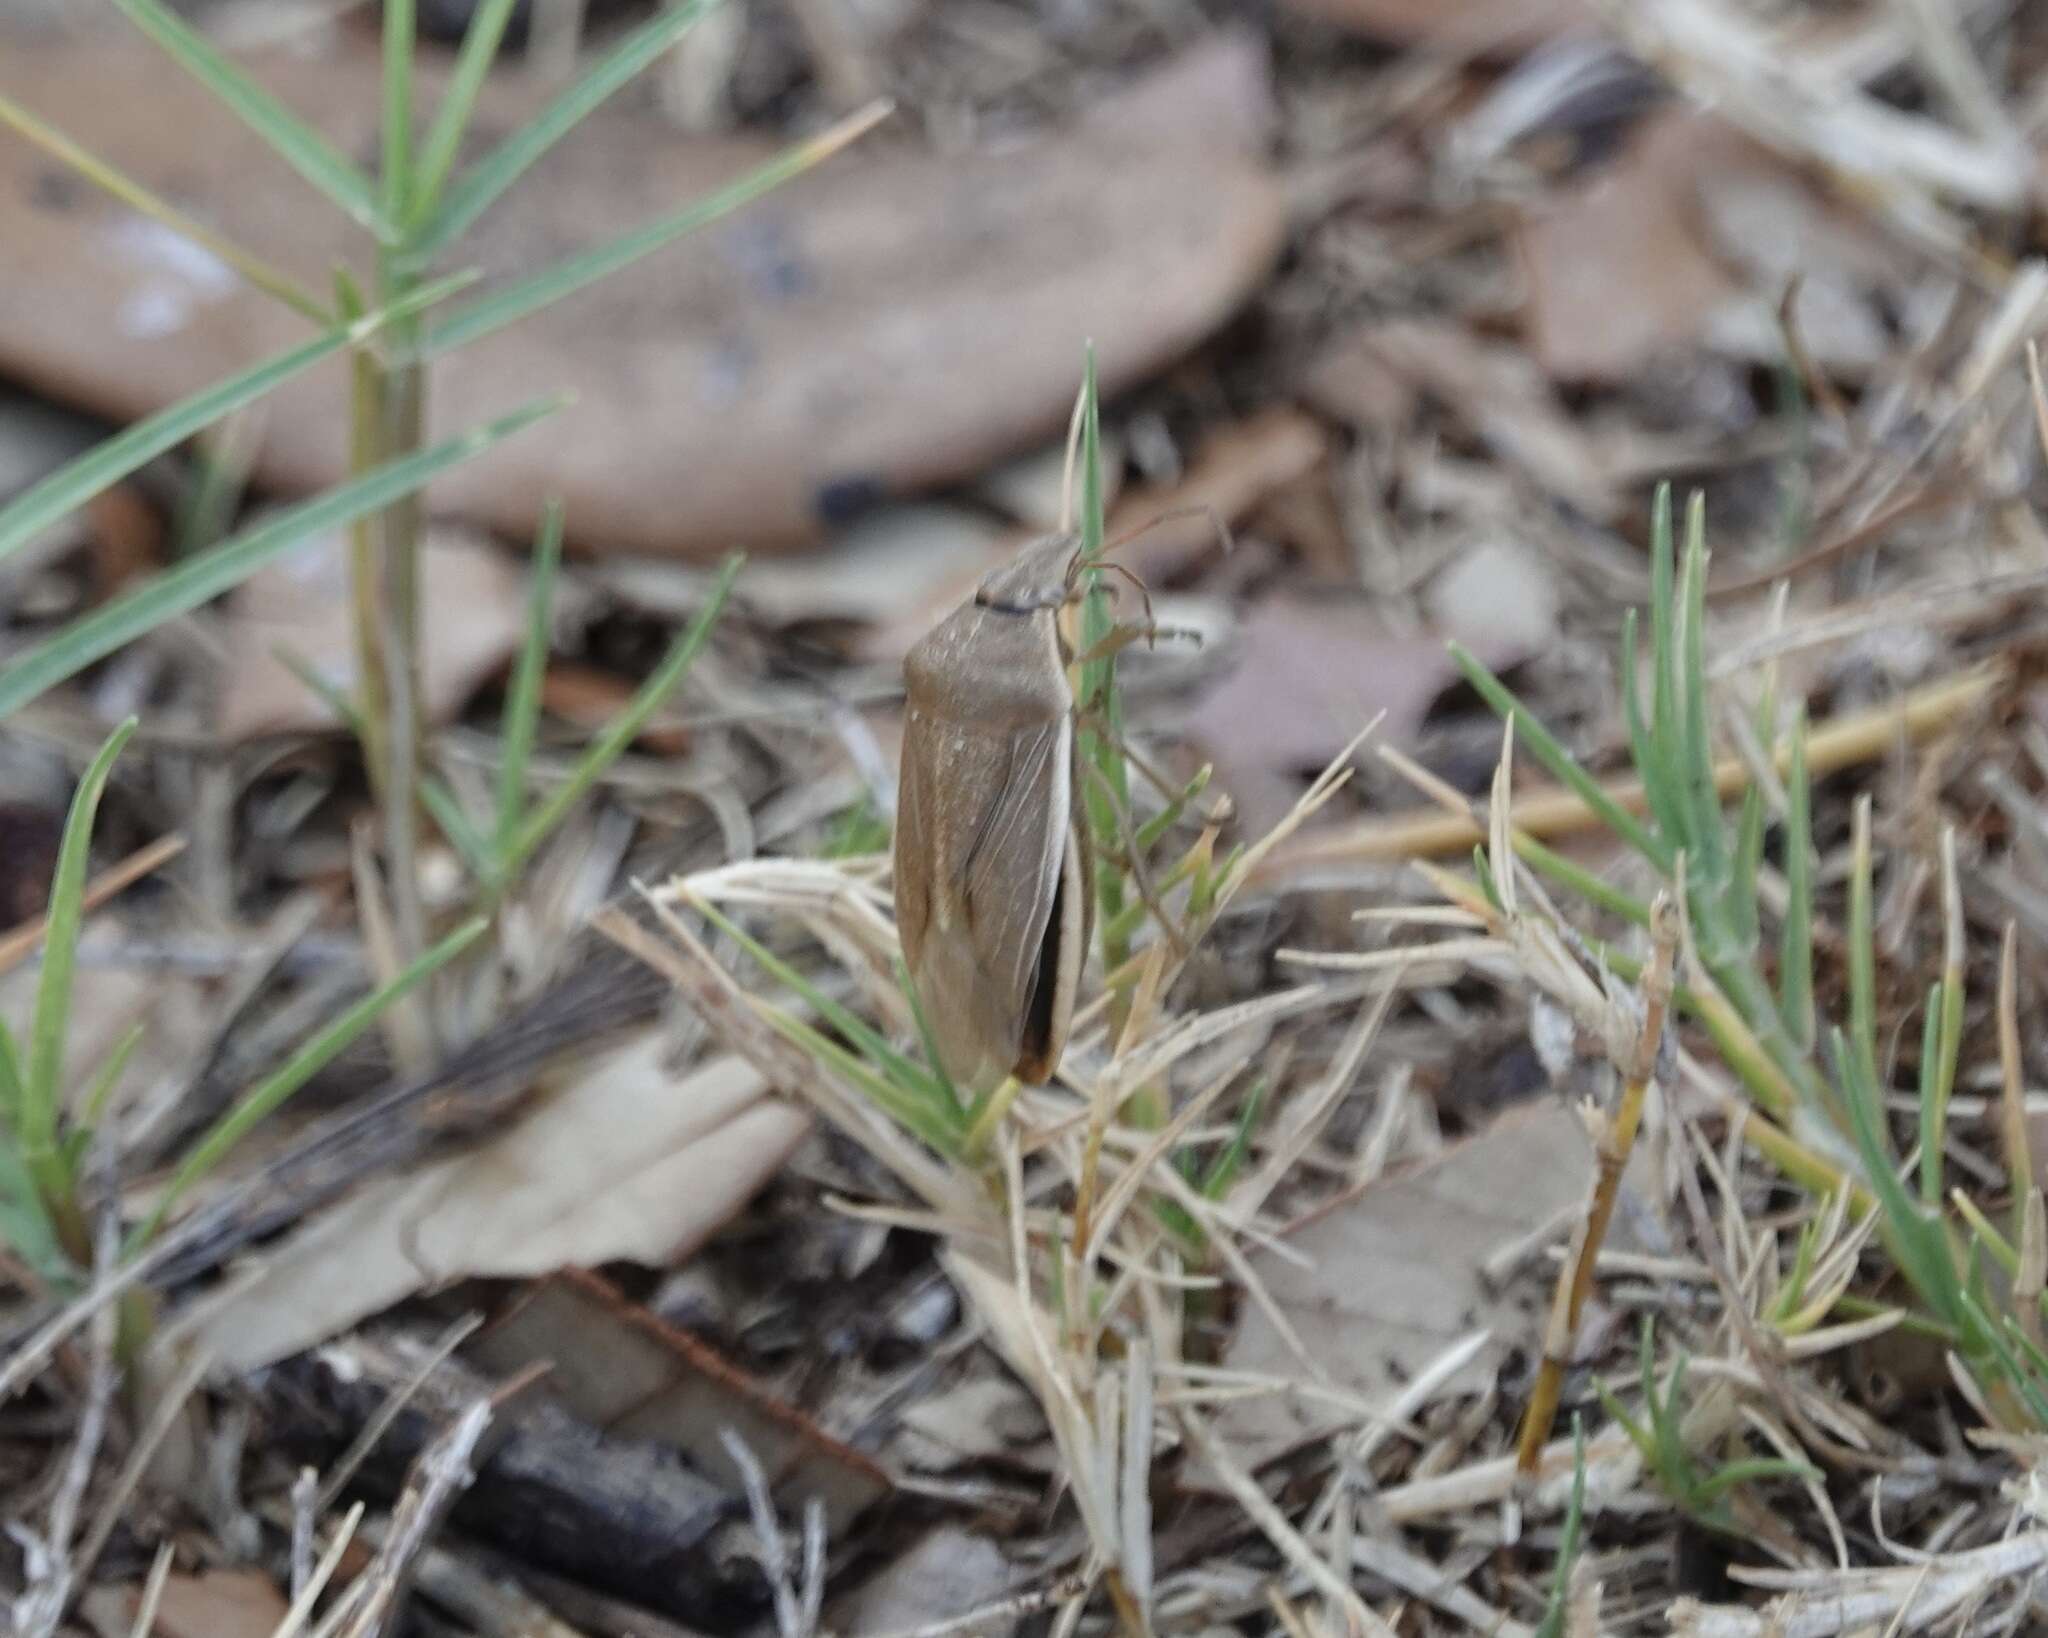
<point>989,665</point>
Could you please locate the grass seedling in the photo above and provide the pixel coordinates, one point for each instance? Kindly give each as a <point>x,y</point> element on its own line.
<point>414,211</point>
<point>47,1137</point>
<point>1820,1100</point>
<point>1703,1494</point>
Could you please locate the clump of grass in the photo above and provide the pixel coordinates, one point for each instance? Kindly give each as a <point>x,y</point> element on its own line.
<point>47,1137</point>
<point>1070,1217</point>
<point>1703,1493</point>
<point>1817,1097</point>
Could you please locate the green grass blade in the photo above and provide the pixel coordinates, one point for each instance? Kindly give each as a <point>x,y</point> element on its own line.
<point>43,1086</point>
<point>107,462</point>
<point>1223,1170</point>
<point>899,1070</point>
<point>117,184</point>
<point>1706,847</point>
<point>302,1066</point>
<point>291,138</point>
<point>621,730</point>
<point>1663,625</point>
<point>25,1225</point>
<point>1644,749</point>
<point>926,1038</point>
<point>1795,950</point>
<point>1932,1134</point>
<point>12,1082</point>
<point>445,809</point>
<point>480,42</point>
<point>1100,701</point>
<point>529,295</point>
<point>1561,764</point>
<point>192,583</point>
<point>1750,1470</point>
<point>477,189</point>
<point>1749,858</point>
<point>522,699</point>
<point>1554,1611</point>
<point>1862,946</point>
<point>93,1106</point>
<point>401,40</point>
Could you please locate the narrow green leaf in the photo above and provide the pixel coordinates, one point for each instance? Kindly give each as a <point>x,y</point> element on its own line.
<point>25,1225</point>
<point>1932,1134</point>
<point>1644,749</point>
<point>401,39</point>
<point>194,582</point>
<point>1748,862</point>
<point>926,1038</point>
<point>117,184</point>
<point>480,43</point>
<point>107,462</point>
<point>522,297</point>
<point>1224,1169</point>
<point>522,699</point>
<point>93,1106</point>
<point>912,1078</point>
<point>476,190</point>
<point>620,731</point>
<point>1562,765</point>
<point>43,1087</point>
<point>1706,848</point>
<point>1554,1612</point>
<point>1167,817</point>
<point>291,138</point>
<point>302,1066</point>
<point>1101,702</point>
<point>1862,947</point>
<point>445,809</point>
<point>1795,951</point>
<point>1664,708</point>
<point>12,1084</point>
<point>1750,1470</point>
<point>1580,880</point>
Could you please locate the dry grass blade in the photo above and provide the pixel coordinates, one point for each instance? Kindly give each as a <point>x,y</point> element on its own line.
<point>1832,746</point>
<point>18,942</point>
<point>1616,1138</point>
<point>1286,1540</point>
<point>442,1472</point>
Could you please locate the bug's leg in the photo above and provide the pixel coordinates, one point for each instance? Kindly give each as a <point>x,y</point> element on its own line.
<point>1120,637</point>
<point>1169,792</point>
<point>1133,860</point>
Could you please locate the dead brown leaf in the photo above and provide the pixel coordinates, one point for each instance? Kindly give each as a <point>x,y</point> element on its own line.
<point>1396,1275</point>
<point>1691,237</point>
<point>1493,389</point>
<point>1302,675</point>
<point>897,321</point>
<point>474,598</point>
<point>626,1163</point>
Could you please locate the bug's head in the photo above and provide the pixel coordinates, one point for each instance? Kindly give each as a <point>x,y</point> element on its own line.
<point>1041,576</point>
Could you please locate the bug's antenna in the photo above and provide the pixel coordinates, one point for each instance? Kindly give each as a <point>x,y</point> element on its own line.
<point>1199,509</point>
<point>1129,574</point>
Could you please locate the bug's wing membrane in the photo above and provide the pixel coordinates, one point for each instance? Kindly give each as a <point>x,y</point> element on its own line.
<point>991,813</point>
